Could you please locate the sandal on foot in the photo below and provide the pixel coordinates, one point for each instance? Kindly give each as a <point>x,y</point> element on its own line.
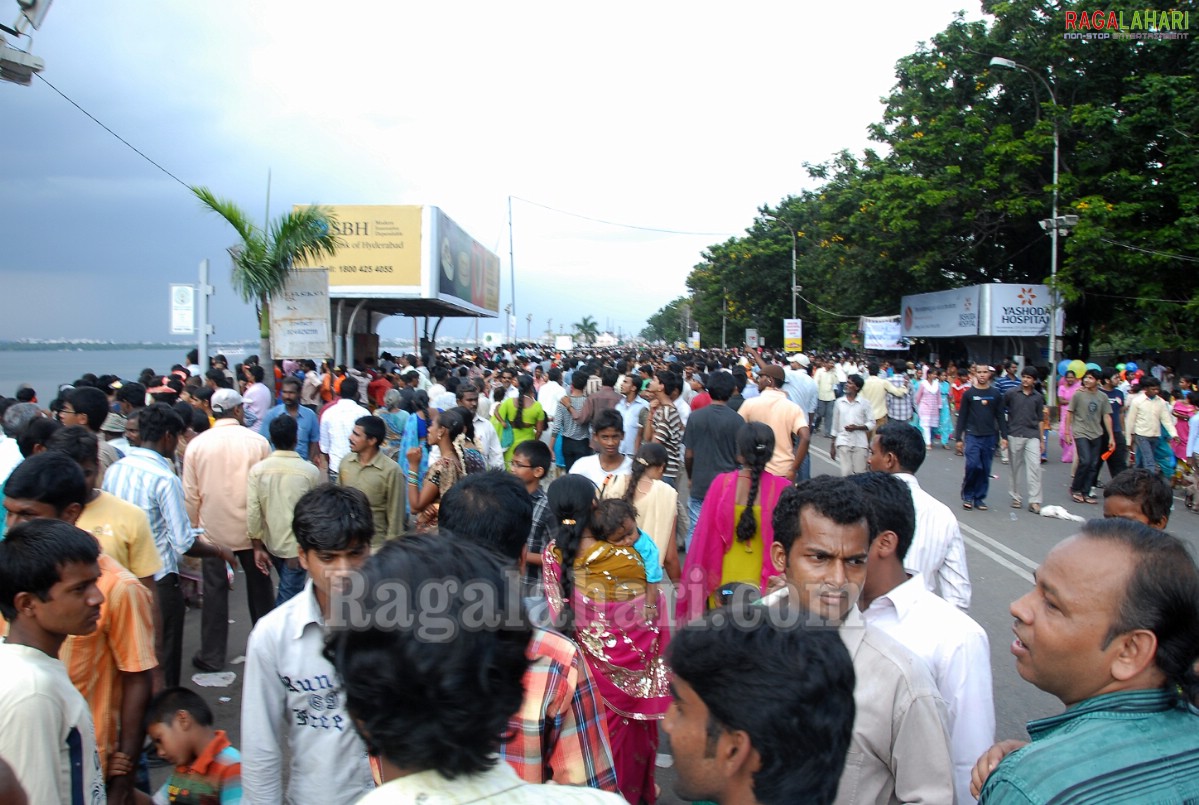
<point>1090,499</point>
<point>967,505</point>
<point>1016,504</point>
<point>1077,498</point>
<point>982,507</point>
<point>1035,508</point>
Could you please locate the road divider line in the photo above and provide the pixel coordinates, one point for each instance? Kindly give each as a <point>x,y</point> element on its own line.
<point>999,546</point>
<point>1012,566</point>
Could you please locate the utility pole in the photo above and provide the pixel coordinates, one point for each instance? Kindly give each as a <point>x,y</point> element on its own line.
<point>529,332</point>
<point>724,313</point>
<point>205,329</point>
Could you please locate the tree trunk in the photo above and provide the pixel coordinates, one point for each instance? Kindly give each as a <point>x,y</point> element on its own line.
<point>264,338</point>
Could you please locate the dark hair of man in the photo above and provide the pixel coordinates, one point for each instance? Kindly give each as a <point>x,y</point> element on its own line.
<point>77,442</point>
<point>607,419</point>
<point>1193,398</point>
<point>830,496</point>
<point>349,388</point>
<point>36,434</point>
<point>333,518</point>
<point>536,452</point>
<point>90,402</point>
<point>608,377</point>
<point>720,386</point>
<point>219,378</point>
<point>132,393</point>
<point>406,687</point>
<point>905,442</point>
<point>284,432</point>
<point>157,421</point>
<point>1162,597</point>
<point>33,554</point>
<point>740,379</point>
<point>163,707</point>
<point>1095,373</point>
<point>451,385</point>
<point>292,382</point>
<point>802,738</point>
<point>373,427</point>
<point>1030,371</point>
<point>755,445</point>
<point>1150,380</point>
<point>26,394</point>
<point>50,477</point>
<point>890,501</point>
<point>571,499</point>
<point>857,380</point>
<point>872,368</point>
<point>256,372</point>
<point>1145,487</point>
<point>650,454</point>
<point>670,383</point>
<point>489,508</point>
<point>554,374</point>
<point>578,380</point>
<point>463,389</point>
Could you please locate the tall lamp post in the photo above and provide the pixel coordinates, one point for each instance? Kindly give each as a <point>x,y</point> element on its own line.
<point>794,239</point>
<point>1053,224</point>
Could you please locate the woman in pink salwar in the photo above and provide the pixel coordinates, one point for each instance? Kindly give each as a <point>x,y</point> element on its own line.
<point>598,595</point>
<point>1065,390</point>
<point>734,531</point>
<point>928,405</point>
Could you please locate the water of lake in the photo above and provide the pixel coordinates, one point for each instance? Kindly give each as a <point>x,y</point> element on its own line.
<point>47,370</point>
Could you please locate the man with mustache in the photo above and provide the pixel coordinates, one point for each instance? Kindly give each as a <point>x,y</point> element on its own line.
<point>1111,629</point>
<point>900,747</point>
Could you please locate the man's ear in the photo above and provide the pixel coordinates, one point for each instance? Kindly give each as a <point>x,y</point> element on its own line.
<point>1137,650</point>
<point>71,513</point>
<point>778,556</point>
<point>885,545</point>
<point>736,755</point>
<point>23,603</point>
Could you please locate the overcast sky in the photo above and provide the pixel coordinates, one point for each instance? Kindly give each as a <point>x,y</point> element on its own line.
<point>673,115</point>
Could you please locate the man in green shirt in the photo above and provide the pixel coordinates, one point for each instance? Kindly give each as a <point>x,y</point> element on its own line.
<point>1112,629</point>
<point>377,476</point>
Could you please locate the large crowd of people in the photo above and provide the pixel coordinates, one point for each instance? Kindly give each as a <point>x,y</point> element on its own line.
<point>502,576</point>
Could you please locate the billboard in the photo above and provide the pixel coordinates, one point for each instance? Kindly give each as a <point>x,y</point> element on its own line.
<point>300,317</point>
<point>380,251</point>
<point>751,338</point>
<point>467,273</point>
<point>943,314</point>
<point>882,333</point>
<point>793,335</point>
<point>183,309</point>
<point>1019,310</point>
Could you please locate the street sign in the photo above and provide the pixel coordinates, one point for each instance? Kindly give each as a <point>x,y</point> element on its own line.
<point>751,338</point>
<point>183,309</point>
<point>793,335</point>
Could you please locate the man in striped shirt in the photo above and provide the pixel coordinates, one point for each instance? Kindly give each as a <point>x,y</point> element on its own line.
<point>146,478</point>
<point>1112,630</point>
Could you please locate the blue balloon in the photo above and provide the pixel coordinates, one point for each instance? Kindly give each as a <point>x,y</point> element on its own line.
<point>1095,366</point>
<point>1130,367</point>
<point>1062,366</point>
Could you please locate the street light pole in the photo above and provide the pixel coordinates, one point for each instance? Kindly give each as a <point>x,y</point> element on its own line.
<point>794,239</point>
<point>1051,385</point>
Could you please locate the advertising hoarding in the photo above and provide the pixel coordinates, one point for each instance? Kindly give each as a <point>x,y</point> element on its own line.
<point>300,317</point>
<point>1019,310</point>
<point>943,314</point>
<point>467,273</point>
<point>882,333</point>
<point>380,251</point>
<point>793,335</point>
<point>183,309</point>
<point>751,338</point>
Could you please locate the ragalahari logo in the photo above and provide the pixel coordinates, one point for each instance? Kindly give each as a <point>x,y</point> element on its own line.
<point>1026,296</point>
<point>1140,24</point>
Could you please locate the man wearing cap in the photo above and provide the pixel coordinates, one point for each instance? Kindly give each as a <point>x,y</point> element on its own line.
<point>215,482</point>
<point>788,421</point>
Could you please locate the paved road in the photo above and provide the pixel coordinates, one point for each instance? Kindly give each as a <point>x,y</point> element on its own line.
<point>1002,552</point>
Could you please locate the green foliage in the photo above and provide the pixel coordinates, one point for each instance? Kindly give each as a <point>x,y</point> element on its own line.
<point>964,174</point>
<point>586,330</point>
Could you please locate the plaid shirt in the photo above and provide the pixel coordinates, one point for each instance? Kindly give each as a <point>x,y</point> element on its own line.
<point>538,535</point>
<point>560,732</point>
<point>899,408</point>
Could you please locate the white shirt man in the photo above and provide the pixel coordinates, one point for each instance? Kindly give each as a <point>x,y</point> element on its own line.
<point>551,391</point>
<point>938,553</point>
<point>337,424</point>
<point>956,650</point>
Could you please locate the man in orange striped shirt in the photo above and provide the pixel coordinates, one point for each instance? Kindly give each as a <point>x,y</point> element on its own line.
<point>112,666</point>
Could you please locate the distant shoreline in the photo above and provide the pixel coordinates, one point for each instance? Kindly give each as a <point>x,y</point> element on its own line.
<point>91,346</point>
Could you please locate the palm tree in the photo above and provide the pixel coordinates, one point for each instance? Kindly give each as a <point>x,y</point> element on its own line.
<point>587,329</point>
<point>264,259</point>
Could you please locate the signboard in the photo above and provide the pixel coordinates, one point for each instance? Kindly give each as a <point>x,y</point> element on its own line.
<point>883,333</point>
<point>1018,310</point>
<point>493,340</point>
<point>380,251</point>
<point>183,309</point>
<point>793,335</point>
<point>751,338</point>
<point>695,339</point>
<point>564,343</point>
<point>944,314</point>
<point>466,272</point>
<point>300,317</point>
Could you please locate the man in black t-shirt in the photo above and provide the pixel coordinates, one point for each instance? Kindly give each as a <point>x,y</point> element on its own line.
<point>980,421</point>
<point>710,442</point>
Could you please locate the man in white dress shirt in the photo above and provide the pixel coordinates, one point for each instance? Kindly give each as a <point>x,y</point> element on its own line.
<point>337,424</point>
<point>954,647</point>
<point>938,553</point>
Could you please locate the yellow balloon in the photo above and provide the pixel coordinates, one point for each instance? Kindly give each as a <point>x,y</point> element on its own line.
<point>1077,367</point>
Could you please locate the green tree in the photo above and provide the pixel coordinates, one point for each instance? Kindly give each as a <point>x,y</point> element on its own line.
<point>264,259</point>
<point>668,323</point>
<point>586,330</point>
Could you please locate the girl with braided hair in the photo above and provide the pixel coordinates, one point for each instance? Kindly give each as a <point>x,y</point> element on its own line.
<point>447,432</point>
<point>523,413</point>
<point>597,593</point>
<point>655,500</point>
<point>734,532</point>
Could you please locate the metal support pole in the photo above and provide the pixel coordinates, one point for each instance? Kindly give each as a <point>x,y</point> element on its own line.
<point>793,245</point>
<point>339,344</point>
<point>724,314</point>
<point>350,334</point>
<point>1052,389</point>
<point>511,268</point>
<point>205,329</point>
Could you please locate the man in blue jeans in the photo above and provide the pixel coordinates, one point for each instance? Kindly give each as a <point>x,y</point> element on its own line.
<point>981,420</point>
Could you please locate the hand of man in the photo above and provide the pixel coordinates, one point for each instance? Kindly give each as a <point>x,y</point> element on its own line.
<point>1069,438</point>
<point>960,444</point>
<point>120,790</point>
<point>262,559</point>
<point>832,451</point>
<point>987,763</point>
<point>1003,444</point>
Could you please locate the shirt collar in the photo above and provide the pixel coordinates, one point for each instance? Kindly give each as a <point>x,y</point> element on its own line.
<point>429,785</point>
<point>217,745</point>
<point>1132,702</point>
<point>150,454</point>
<point>288,454</point>
<point>227,422</point>
<point>309,612</point>
<point>902,597</point>
<point>853,630</point>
